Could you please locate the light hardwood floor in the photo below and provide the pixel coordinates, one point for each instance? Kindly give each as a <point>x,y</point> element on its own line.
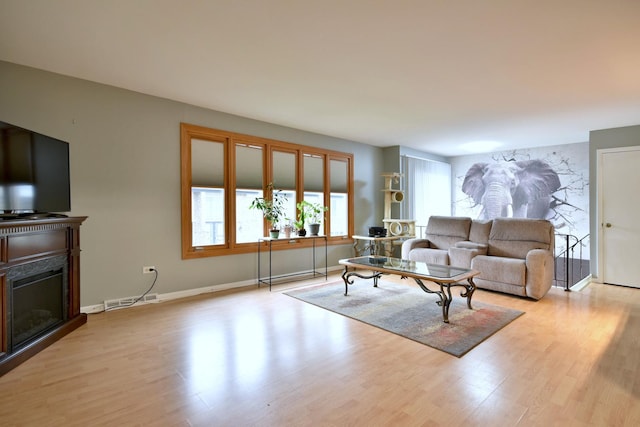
<point>259,358</point>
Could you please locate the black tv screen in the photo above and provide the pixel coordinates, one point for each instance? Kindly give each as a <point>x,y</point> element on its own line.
<point>34,172</point>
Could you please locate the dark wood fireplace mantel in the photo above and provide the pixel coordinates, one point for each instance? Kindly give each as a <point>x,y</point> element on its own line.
<point>27,242</point>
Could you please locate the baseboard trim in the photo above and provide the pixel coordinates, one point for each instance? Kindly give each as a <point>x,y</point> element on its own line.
<point>99,308</point>
<point>582,284</point>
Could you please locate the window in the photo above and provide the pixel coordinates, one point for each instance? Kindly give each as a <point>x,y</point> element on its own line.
<point>428,185</point>
<point>207,216</point>
<point>248,186</point>
<point>339,200</point>
<point>206,192</point>
<point>223,172</point>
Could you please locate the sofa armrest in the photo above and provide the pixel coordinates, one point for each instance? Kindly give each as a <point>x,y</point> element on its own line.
<point>410,244</point>
<point>467,244</point>
<point>461,256</point>
<point>540,268</point>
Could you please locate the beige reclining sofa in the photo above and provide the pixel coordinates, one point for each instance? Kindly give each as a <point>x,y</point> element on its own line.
<point>513,255</point>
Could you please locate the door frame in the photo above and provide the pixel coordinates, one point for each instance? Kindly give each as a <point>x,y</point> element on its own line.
<point>599,212</point>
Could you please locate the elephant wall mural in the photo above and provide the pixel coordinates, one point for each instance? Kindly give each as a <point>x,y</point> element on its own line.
<point>519,189</point>
<point>550,182</point>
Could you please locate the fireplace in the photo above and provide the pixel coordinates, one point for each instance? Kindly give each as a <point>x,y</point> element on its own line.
<point>37,300</point>
<point>39,285</point>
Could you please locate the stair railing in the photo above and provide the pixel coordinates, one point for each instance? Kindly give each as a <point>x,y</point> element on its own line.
<point>567,254</point>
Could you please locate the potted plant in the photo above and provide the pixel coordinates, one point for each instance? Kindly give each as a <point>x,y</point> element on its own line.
<point>272,208</point>
<point>302,218</point>
<point>315,215</point>
<point>288,227</point>
<point>311,214</point>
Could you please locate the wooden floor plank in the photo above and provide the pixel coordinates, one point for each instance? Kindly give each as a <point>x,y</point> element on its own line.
<point>254,357</point>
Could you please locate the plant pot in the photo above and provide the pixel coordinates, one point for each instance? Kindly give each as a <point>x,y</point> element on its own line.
<point>274,234</point>
<point>314,229</point>
<point>302,232</point>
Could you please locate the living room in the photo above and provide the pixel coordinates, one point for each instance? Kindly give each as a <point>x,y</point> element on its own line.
<point>125,172</point>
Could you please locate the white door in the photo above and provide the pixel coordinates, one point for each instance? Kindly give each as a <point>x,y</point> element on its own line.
<point>619,206</point>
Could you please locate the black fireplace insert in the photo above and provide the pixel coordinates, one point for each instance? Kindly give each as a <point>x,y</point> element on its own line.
<point>37,300</point>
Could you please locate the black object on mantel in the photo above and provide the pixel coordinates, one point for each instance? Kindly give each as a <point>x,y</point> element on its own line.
<point>377,232</point>
<point>31,216</point>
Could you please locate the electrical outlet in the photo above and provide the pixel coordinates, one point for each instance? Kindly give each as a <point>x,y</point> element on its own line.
<point>148,269</point>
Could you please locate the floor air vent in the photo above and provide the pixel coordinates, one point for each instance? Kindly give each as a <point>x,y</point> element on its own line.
<point>126,302</point>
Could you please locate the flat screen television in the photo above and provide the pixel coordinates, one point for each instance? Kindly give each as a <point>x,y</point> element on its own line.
<point>34,173</point>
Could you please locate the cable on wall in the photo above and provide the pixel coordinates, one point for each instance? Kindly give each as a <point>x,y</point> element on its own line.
<point>155,279</point>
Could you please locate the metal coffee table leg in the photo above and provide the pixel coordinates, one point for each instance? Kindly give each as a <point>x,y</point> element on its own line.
<point>445,297</point>
<point>347,277</point>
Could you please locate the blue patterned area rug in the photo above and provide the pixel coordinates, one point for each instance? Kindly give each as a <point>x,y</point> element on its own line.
<point>408,311</point>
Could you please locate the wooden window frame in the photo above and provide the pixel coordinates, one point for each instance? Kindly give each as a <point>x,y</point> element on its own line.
<point>229,139</point>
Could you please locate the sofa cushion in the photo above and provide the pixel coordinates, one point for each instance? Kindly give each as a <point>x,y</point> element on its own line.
<point>500,269</point>
<point>480,231</point>
<point>514,237</point>
<point>444,231</point>
<point>461,256</point>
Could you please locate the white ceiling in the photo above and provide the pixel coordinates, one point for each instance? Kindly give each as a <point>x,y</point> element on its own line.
<point>432,75</point>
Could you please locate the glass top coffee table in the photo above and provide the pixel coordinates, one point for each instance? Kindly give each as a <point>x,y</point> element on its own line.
<point>444,276</point>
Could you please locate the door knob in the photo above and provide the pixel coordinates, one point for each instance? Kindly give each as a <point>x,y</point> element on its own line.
<point>608,225</point>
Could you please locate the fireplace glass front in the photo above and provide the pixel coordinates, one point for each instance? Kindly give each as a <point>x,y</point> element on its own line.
<point>37,306</point>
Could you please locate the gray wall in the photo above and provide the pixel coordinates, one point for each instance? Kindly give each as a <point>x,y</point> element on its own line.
<point>125,176</point>
<point>628,136</point>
